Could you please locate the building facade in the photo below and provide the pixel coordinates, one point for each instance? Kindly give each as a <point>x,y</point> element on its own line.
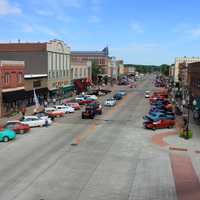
<point>180,60</point>
<point>129,70</point>
<point>81,70</point>
<point>120,64</point>
<point>194,80</point>
<point>11,86</point>
<point>99,57</point>
<point>81,75</point>
<point>49,59</point>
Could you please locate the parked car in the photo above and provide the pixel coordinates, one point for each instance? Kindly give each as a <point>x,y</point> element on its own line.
<point>122,92</point>
<point>110,102</point>
<point>117,96</point>
<point>34,121</point>
<point>65,109</point>
<point>163,123</point>
<point>87,100</point>
<point>158,116</point>
<point>7,134</point>
<point>44,115</point>
<point>147,94</point>
<point>84,97</point>
<point>17,126</point>
<point>74,105</point>
<point>91,110</point>
<point>53,112</point>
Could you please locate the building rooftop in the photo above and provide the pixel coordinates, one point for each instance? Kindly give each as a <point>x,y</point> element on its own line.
<point>104,52</point>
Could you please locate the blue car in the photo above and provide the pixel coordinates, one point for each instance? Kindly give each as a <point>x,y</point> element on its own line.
<point>7,134</point>
<point>117,96</point>
<point>156,116</point>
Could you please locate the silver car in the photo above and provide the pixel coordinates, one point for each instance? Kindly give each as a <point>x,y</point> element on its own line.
<point>110,102</point>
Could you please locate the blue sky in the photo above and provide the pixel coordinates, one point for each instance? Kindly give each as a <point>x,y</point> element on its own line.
<point>139,31</point>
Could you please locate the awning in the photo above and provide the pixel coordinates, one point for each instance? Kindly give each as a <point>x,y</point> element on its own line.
<point>68,88</point>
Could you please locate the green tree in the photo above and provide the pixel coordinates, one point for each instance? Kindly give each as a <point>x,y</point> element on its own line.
<point>96,70</point>
<point>164,69</point>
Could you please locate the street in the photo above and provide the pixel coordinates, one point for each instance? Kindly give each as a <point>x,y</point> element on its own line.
<point>110,157</point>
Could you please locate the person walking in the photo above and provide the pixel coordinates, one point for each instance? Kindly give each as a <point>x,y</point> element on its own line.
<point>54,101</point>
<point>45,103</point>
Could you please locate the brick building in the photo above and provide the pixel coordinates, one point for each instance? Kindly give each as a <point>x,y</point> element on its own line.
<point>48,60</point>
<point>11,86</point>
<point>194,81</point>
<point>99,57</point>
<point>81,74</point>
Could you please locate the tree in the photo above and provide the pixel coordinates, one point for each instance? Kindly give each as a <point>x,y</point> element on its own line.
<point>164,69</point>
<point>96,70</point>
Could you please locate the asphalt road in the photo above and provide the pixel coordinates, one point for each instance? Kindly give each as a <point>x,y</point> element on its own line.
<point>43,165</point>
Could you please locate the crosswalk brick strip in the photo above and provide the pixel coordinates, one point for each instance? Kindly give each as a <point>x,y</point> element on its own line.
<point>186,179</point>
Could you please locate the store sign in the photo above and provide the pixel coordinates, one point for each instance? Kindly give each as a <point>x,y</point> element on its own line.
<point>36,83</point>
<point>59,84</point>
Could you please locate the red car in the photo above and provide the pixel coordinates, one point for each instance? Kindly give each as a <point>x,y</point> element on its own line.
<point>154,98</point>
<point>17,126</point>
<point>74,105</point>
<point>164,123</point>
<point>86,101</point>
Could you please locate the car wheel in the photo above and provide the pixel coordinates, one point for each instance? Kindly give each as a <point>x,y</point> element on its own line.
<point>153,128</point>
<point>5,139</point>
<point>21,132</point>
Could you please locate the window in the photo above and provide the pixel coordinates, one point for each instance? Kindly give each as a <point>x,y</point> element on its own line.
<point>80,72</point>
<point>19,77</point>
<point>76,72</point>
<point>6,78</point>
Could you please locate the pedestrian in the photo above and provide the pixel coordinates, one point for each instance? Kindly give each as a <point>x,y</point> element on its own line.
<point>46,123</point>
<point>45,103</point>
<point>54,101</point>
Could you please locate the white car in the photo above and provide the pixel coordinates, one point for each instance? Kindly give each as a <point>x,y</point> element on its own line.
<point>147,94</point>
<point>65,109</point>
<point>110,102</point>
<point>34,121</point>
<point>83,97</point>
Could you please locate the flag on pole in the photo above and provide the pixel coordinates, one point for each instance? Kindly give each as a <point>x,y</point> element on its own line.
<point>37,104</point>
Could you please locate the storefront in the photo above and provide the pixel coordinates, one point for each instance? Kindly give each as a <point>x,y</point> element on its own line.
<point>12,101</point>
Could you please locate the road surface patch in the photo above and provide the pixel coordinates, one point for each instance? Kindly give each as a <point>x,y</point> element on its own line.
<point>186,180</point>
<point>159,138</point>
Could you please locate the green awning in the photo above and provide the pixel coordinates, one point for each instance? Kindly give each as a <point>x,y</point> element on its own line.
<point>68,88</point>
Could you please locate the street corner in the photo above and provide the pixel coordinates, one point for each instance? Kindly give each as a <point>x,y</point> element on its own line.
<point>160,138</point>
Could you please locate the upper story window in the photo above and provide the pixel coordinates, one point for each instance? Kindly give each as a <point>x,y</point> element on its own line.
<point>19,77</point>
<point>6,78</point>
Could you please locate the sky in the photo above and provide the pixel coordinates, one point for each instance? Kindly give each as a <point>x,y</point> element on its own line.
<point>137,31</point>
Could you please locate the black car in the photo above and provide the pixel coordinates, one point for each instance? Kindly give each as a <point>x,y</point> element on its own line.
<point>91,110</point>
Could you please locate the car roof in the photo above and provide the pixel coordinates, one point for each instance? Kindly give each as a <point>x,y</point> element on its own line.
<point>31,116</point>
<point>13,121</point>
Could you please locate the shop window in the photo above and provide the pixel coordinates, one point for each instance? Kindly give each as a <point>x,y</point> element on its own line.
<point>37,83</point>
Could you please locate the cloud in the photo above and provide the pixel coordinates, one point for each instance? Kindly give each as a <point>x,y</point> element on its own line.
<point>138,47</point>
<point>45,13</point>
<point>95,5</point>
<point>94,19</point>
<point>64,18</point>
<point>189,31</point>
<point>39,29</point>
<point>136,27</point>
<point>9,9</point>
<point>195,32</point>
